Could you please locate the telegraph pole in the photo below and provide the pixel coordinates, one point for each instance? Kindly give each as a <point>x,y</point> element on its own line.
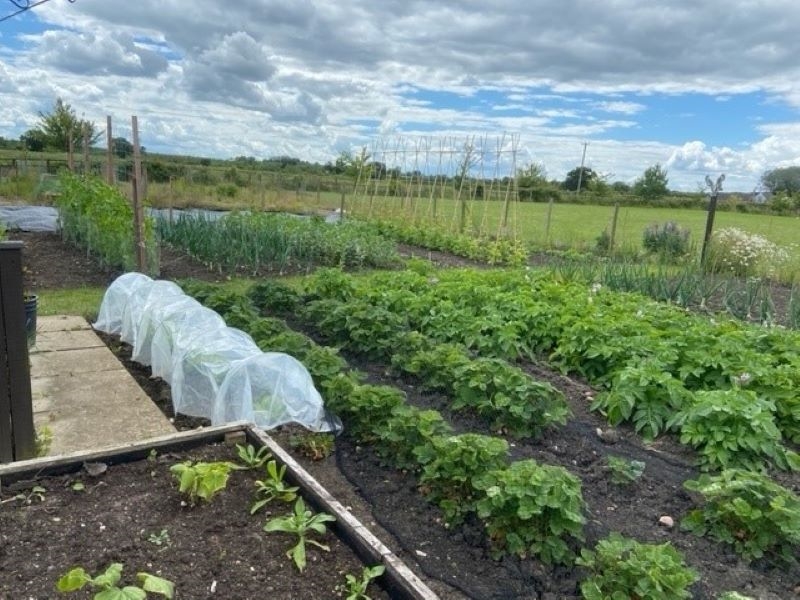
<point>580,173</point>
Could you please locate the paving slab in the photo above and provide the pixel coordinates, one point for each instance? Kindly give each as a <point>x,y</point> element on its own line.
<point>83,394</point>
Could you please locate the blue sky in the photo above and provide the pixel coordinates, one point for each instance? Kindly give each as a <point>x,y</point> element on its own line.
<point>640,83</point>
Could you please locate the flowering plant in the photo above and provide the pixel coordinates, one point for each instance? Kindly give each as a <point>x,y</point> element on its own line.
<point>744,254</point>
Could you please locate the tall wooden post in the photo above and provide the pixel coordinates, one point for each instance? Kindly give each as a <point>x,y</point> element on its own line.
<point>86,165</point>
<point>714,190</point>
<point>138,211</point>
<point>613,228</point>
<point>70,151</point>
<point>109,153</point>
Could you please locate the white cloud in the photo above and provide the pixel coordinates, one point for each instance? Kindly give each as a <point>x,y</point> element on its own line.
<point>272,77</point>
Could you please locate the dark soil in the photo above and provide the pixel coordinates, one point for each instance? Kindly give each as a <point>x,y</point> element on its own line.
<point>458,558</point>
<point>133,514</point>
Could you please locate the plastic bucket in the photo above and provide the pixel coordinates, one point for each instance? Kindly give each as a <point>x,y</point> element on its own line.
<point>31,304</point>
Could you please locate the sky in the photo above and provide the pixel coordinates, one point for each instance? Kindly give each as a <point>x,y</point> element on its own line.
<point>701,88</point>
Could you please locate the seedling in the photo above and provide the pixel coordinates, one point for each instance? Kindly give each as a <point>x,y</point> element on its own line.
<point>273,487</point>
<point>356,589</point>
<point>106,584</point>
<point>315,446</point>
<point>302,523</point>
<point>202,480</point>
<point>160,539</point>
<point>252,458</point>
<point>36,494</point>
<point>624,471</point>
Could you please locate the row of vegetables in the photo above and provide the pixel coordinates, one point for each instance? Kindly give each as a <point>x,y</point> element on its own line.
<point>459,333</point>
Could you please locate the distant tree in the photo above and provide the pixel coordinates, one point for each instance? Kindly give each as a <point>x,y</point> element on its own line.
<point>621,187</point>
<point>532,184</point>
<point>652,184</point>
<point>121,147</point>
<point>34,140</point>
<point>571,180</point>
<point>62,124</point>
<point>784,179</point>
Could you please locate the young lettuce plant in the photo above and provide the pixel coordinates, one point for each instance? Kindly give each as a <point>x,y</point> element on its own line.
<point>106,584</point>
<point>202,480</point>
<point>302,522</point>
<point>273,487</point>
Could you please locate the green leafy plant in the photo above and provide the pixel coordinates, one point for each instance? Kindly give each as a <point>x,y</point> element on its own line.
<point>356,588</point>
<point>274,297</point>
<point>44,439</point>
<point>530,508</point>
<point>302,523</point>
<point>201,480</point>
<point>273,487</point>
<point>252,458</point>
<point>747,510</point>
<point>315,446</point>
<point>734,429</point>
<point>407,429</point>
<point>106,584</point>
<point>449,466</point>
<point>625,471</point>
<point>369,407</point>
<point>623,568</point>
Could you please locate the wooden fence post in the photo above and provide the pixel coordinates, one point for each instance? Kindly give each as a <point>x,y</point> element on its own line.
<point>109,153</point>
<point>17,436</point>
<point>138,211</point>
<point>614,227</point>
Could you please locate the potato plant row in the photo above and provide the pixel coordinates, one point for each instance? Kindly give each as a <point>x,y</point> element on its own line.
<point>463,474</point>
<point>731,390</point>
<point>526,507</point>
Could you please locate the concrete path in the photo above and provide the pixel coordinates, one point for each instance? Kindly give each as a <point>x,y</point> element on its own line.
<point>83,394</point>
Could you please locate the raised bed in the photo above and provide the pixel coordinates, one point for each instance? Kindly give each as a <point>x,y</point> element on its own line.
<point>132,513</point>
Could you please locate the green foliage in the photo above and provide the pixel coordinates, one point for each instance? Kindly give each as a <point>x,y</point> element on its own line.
<point>515,402</point>
<point>530,508</point>
<point>330,284</point>
<point>668,240</point>
<point>734,429</point>
<point>355,588</point>
<point>502,251</point>
<point>737,252</point>
<point>201,480</point>
<point>98,217</point>
<point>621,568</point>
<point>652,184</point>
<point>449,466</point>
<point>784,179</point>
<point>251,457</point>
<point>256,240</point>
<point>61,125</point>
<point>106,586</point>
<point>368,407</point>
<point>579,175</point>
<point>302,523</point>
<point>273,487</point>
<point>625,471</point>
<point>274,297</point>
<point>749,511</point>
<point>644,393</point>
<point>407,429</point>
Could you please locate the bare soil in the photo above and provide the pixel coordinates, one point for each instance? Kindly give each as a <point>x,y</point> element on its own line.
<point>456,562</point>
